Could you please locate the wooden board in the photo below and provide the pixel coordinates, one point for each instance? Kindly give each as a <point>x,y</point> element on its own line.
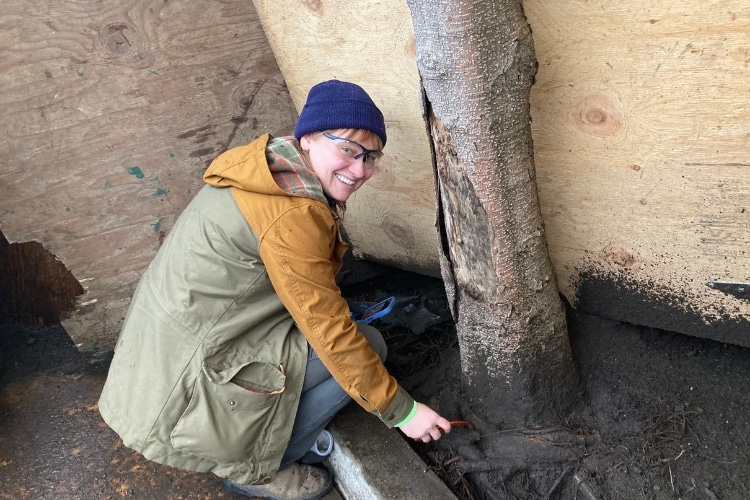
<point>111,112</point>
<point>392,218</point>
<point>641,131</point>
<point>641,124</point>
<point>640,120</point>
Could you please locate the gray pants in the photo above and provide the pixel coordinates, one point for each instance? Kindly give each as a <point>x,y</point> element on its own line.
<point>322,397</point>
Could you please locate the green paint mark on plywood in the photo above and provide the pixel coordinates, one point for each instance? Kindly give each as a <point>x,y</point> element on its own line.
<point>157,225</point>
<point>67,209</point>
<point>107,185</point>
<point>137,172</point>
<point>160,191</point>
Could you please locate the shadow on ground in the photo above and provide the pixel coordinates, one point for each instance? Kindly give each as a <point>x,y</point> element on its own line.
<point>53,442</point>
<point>672,414</point>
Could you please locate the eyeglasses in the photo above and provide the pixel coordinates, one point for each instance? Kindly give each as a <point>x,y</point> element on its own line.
<point>345,148</point>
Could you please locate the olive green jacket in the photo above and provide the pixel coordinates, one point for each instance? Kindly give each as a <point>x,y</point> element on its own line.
<point>208,369</point>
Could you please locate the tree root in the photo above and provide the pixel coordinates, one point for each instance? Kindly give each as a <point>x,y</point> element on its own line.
<point>583,488</point>
<point>527,448</point>
<point>538,462</point>
<point>505,454</point>
<point>558,482</point>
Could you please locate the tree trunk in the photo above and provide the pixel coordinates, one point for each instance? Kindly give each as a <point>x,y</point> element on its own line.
<point>477,64</point>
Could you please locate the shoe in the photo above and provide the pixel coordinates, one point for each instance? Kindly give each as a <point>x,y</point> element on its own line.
<point>296,482</point>
<point>321,448</point>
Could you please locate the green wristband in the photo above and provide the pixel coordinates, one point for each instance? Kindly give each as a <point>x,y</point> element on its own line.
<point>409,416</point>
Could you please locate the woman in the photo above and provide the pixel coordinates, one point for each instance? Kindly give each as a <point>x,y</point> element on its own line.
<point>238,348</point>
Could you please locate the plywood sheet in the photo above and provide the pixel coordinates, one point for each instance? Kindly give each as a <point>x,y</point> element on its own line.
<point>111,112</point>
<point>641,134</point>
<point>640,120</point>
<point>392,218</point>
<point>641,124</point>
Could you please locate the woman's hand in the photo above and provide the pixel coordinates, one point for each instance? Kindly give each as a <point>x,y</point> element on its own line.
<point>426,425</point>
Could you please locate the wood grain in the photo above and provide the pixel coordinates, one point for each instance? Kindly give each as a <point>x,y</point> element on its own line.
<point>640,118</point>
<point>112,111</point>
<point>392,218</point>
<point>641,122</point>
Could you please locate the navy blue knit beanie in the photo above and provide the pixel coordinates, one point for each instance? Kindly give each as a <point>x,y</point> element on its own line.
<point>335,104</point>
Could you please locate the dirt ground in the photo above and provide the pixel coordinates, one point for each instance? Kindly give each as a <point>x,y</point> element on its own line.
<point>667,416</point>
<point>670,413</point>
<point>53,442</point>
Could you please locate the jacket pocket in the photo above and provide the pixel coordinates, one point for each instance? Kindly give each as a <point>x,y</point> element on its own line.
<point>228,411</point>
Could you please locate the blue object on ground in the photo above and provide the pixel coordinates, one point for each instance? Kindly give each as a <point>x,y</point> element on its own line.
<point>377,311</point>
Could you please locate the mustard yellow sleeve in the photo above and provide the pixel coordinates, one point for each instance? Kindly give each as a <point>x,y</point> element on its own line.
<point>297,250</point>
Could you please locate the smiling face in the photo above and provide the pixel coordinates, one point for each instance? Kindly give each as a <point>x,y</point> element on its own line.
<point>333,156</point>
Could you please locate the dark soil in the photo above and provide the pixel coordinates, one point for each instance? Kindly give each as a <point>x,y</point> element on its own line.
<point>667,416</point>
<point>54,445</point>
<point>671,413</point>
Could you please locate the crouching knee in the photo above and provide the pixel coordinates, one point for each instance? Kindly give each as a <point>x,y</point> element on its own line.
<point>375,339</point>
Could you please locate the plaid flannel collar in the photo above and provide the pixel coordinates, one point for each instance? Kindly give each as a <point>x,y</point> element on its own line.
<point>291,170</point>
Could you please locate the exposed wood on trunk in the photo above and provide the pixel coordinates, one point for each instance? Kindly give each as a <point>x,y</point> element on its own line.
<point>477,64</point>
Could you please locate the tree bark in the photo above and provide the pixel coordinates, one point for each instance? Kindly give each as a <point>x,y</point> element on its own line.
<point>477,64</point>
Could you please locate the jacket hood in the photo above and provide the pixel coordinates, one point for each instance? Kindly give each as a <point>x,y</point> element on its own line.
<point>233,168</point>
<point>287,170</point>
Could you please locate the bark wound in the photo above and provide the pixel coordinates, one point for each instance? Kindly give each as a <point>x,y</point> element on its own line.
<point>471,254</point>
<point>476,61</point>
